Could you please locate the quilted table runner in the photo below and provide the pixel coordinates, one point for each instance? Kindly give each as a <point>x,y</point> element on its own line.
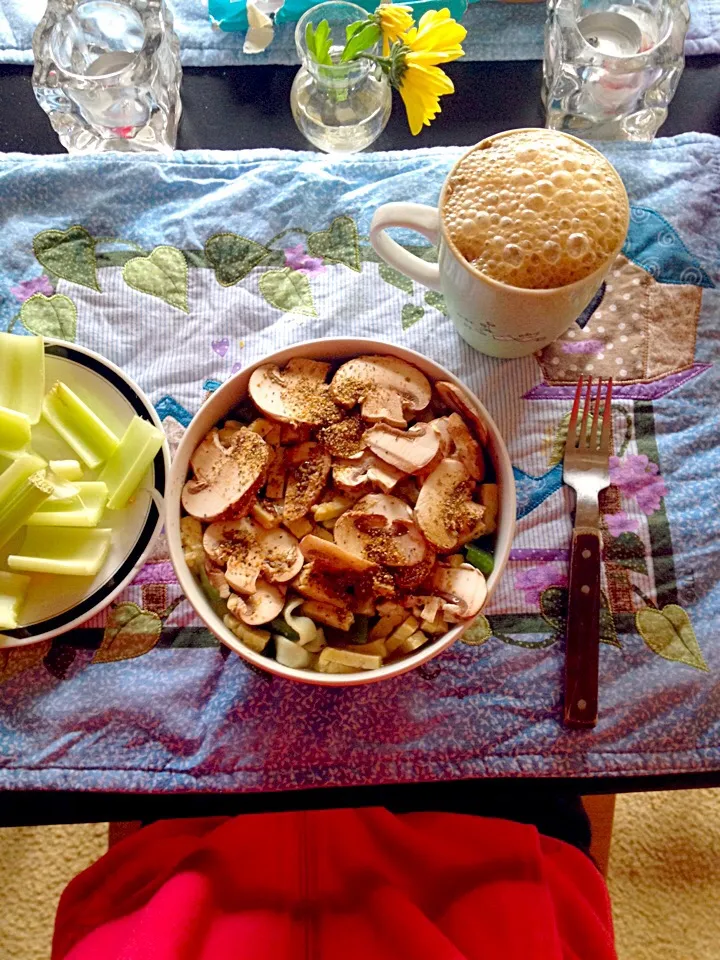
<point>236,255</point>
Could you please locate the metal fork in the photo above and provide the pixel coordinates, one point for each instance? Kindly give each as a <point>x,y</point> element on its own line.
<point>587,452</point>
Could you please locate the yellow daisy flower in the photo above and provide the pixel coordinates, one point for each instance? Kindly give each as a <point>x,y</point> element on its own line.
<point>421,83</point>
<point>393,19</point>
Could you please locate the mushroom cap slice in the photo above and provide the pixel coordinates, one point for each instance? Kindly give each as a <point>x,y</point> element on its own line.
<point>344,440</point>
<point>296,394</point>
<point>386,388</point>
<point>381,528</point>
<point>264,605</point>
<point>325,554</point>
<point>352,475</point>
<point>409,578</point>
<point>464,588</point>
<point>310,465</point>
<point>445,510</point>
<point>458,443</point>
<point>456,399</point>
<point>226,475</point>
<point>249,551</point>
<point>408,450</point>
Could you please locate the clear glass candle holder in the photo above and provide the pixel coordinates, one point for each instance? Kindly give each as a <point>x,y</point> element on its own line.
<point>612,67</point>
<point>107,73</point>
<point>341,108</point>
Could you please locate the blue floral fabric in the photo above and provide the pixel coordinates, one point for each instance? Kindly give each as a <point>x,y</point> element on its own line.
<point>181,714</point>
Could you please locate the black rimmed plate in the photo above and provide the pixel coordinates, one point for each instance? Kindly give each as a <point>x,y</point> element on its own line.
<point>55,604</point>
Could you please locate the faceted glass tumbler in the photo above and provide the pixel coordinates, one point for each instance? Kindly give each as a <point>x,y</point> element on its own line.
<point>612,68</point>
<point>341,108</point>
<point>107,73</point>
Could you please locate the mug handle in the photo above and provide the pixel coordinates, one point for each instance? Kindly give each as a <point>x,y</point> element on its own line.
<point>412,216</point>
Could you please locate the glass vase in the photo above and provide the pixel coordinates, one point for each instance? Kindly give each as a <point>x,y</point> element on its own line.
<point>341,108</point>
<point>612,66</point>
<point>107,73</point>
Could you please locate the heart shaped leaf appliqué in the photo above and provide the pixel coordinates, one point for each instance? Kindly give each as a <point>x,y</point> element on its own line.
<point>54,316</point>
<point>395,278</point>
<point>436,300</point>
<point>669,634</point>
<point>69,254</point>
<point>339,244</point>
<point>289,291</point>
<point>232,257</point>
<point>411,314</point>
<point>478,632</point>
<point>129,632</point>
<point>162,274</point>
<point>16,660</point>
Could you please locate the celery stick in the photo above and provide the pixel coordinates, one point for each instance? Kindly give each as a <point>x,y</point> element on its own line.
<point>14,432</point>
<point>82,510</point>
<point>13,587</point>
<point>66,469</point>
<point>131,458</point>
<point>91,440</point>
<point>23,487</point>
<point>70,551</point>
<point>22,374</point>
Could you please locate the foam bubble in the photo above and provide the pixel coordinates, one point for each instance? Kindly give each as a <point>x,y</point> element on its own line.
<point>535,209</point>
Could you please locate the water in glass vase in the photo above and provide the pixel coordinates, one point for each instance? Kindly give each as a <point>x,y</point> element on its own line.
<point>338,107</point>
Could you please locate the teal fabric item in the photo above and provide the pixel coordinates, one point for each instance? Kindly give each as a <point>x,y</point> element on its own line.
<point>496,31</point>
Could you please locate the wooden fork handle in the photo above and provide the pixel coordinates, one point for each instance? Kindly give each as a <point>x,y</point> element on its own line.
<point>583,631</point>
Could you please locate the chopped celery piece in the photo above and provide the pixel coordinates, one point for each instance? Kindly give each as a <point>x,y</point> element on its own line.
<point>278,625</point>
<point>13,587</point>
<point>70,551</point>
<point>22,374</point>
<point>82,510</point>
<point>131,458</point>
<point>23,487</point>
<point>14,432</point>
<point>91,440</point>
<point>66,469</point>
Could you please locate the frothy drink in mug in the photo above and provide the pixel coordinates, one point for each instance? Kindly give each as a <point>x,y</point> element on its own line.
<point>529,224</point>
<point>536,211</point>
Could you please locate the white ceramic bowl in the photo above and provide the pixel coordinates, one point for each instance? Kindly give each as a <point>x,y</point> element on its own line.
<point>57,604</point>
<point>232,392</point>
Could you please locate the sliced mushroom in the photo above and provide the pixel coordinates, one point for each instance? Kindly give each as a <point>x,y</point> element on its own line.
<point>456,399</point>
<point>226,475</point>
<point>357,475</point>
<point>445,510</point>
<point>248,551</point>
<point>408,450</point>
<point>463,588</point>
<point>262,606</point>
<point>457,442</point>
<point>328,555</point>
<point>216,578</point>
<point>297,394</point>
<point>387,388</point>
<point>309,465</point>
<point>409,578</point>
<point>381,528</point>
<point>344,439</point>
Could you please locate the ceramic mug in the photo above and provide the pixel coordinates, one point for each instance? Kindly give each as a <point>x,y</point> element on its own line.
<point>493,317</point>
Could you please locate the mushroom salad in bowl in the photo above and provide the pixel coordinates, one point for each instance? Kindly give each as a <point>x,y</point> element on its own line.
<point>341,511</point>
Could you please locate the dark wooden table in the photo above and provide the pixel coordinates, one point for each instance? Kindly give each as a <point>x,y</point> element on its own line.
<point>234,108</point>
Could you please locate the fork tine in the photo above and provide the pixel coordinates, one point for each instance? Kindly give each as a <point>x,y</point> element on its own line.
<point>595,426</point>
<point>582,441</point>
<point>607,419</point>
<point>572,424</point>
